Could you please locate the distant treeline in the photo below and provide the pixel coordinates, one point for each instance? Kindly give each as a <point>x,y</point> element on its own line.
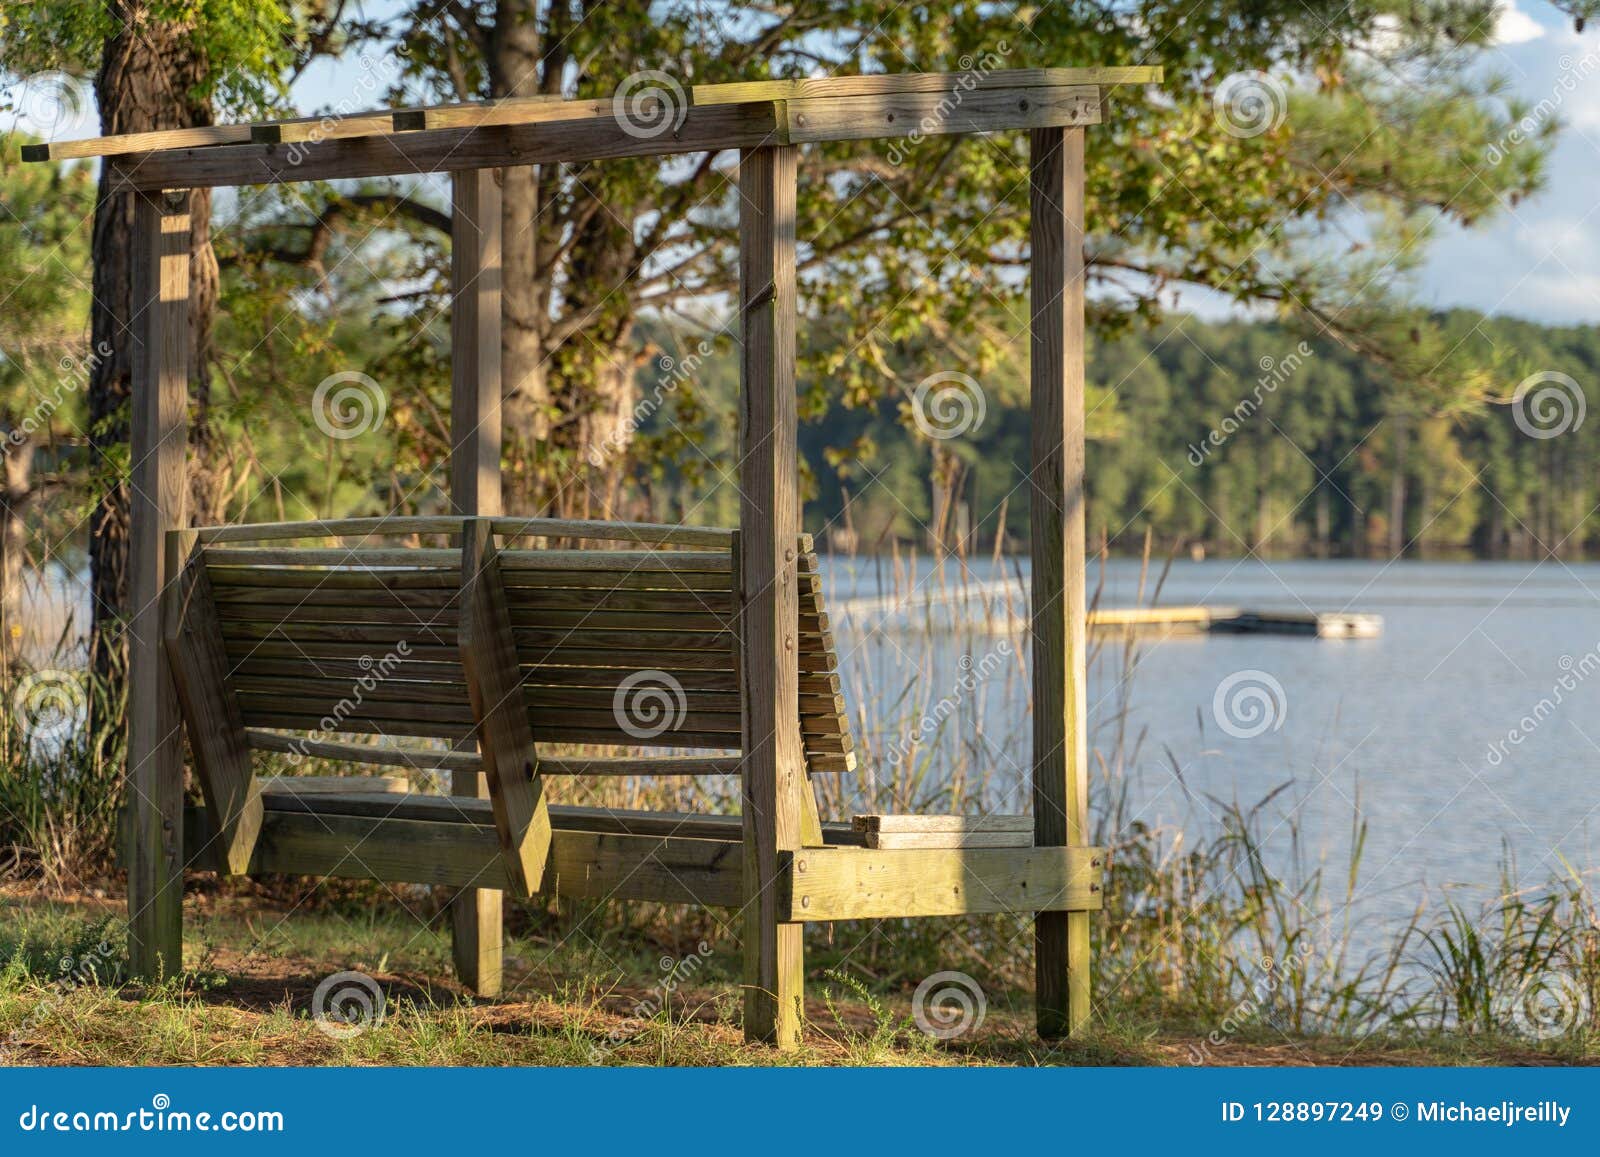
<point>1230,437</point>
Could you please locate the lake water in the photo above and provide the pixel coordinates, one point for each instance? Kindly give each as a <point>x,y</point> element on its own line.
<point>1470,730</point>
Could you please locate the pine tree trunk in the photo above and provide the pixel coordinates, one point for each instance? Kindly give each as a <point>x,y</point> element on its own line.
<point>148,73</point>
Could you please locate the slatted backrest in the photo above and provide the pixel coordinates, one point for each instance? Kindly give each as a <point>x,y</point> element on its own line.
<point>616,647</point>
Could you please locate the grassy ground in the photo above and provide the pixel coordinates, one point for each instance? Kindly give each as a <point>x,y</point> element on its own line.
<point>254,968</point>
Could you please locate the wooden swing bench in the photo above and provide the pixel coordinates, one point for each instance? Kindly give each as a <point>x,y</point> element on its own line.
<point>513,653</point>
<point>493,653</point>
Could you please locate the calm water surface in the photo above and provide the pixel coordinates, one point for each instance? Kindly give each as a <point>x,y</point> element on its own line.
<point>1468,735</point>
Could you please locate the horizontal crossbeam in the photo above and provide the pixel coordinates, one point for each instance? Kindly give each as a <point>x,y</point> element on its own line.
<point>863,883</point>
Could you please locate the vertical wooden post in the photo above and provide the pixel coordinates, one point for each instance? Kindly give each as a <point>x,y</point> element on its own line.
<point>158,441</point>
<point>1060,712</point>
<point>769,527</point>
<point>475,440</point>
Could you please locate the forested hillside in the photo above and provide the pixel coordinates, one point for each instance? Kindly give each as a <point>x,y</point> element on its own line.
<point>1227,436</point>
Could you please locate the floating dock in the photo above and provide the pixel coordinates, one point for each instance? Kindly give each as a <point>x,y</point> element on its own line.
<point>1233,621</point>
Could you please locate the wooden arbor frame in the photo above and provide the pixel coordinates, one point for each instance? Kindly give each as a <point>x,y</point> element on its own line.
<point>786,879</point>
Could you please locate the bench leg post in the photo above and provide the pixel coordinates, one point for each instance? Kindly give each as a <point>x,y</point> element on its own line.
<point>1060,732</point>
<point>158,437</point>
<point>769,608</point>
<point>475,392</point>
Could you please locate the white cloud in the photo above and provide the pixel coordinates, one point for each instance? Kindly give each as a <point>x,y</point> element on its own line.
<point>1514,26</point>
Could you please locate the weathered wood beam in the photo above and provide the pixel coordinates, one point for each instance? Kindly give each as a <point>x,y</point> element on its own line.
<point>931,114</point>
<point>1056,499</point>
<point>442,150</point>
<point>505,737</point>
<point>156,485</point>
<point>894,84</point>
<point>476,390</point>
<point>769,523</point>
<point>586,865</point>
<point>867,884</point>
<point>214,722</point>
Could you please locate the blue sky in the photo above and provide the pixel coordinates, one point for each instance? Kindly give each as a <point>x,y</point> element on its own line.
<point>1541,258</point>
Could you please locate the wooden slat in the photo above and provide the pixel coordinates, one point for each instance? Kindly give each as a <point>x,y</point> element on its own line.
<point>1056,484</point>
<point>159,324</point>
<point>929,114</point>
<point>125,143</point>
<point>244,650</point>
<point>882,84</point>
<point>329,126</point>
<point>505,740</point>
<point>584,865</point>
<point>486,286</point>
<point>274,787</point>
<point>923,825</point>
<point>332,556</point>
<point>212,718</point>
<point>595,137</point>
<point>363,724</point>
<point>229,578</point>
<point>332,127</point>
<point>769,520</point>
<point>500,114</point>
<point>385,755</point>
<point>867,884</point>
<point>890,841</point>
<point>420,759</point>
